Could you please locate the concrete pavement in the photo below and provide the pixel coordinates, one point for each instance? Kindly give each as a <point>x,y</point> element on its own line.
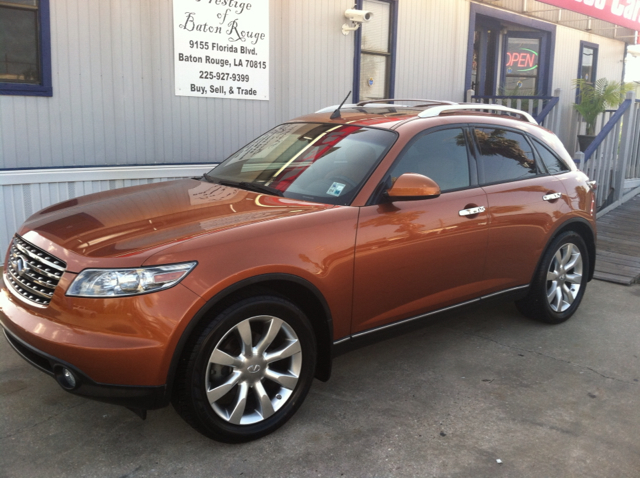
<point>448,400</point>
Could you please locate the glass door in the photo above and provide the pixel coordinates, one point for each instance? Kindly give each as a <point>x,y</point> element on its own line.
<point>522,66</point>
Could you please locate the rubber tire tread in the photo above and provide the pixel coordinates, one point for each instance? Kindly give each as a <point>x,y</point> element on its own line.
<point>183,394</point>
<point>535,305</point>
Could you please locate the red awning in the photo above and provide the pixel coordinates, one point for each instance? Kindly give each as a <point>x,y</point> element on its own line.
<point>625,13</point>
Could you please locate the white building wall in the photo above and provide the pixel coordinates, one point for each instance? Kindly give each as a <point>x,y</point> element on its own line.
<point>432,49</point>
<point>113,87</point>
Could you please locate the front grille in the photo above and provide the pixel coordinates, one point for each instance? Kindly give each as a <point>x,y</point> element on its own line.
<point>33,274</point>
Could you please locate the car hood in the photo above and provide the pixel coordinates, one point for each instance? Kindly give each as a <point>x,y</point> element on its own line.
<point>134,223</point>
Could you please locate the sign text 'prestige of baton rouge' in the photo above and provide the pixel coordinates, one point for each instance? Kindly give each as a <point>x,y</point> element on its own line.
<point>221,48</point>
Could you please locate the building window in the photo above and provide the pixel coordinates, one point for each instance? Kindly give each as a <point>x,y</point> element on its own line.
<point>588,61</point>
<point>25,51</point>
<point>375,48</point>
<point>587,64</point>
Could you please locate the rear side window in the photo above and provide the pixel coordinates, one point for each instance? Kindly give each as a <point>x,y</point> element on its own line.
<point>441,155</point>
<point>504,155</point>
<point>553,164</point>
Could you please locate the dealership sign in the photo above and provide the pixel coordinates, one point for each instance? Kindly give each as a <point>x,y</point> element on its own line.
<point>221,48</point>
<point>625,13</point>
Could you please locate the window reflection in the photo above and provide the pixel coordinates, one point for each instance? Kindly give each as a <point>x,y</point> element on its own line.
<point>505,155</point>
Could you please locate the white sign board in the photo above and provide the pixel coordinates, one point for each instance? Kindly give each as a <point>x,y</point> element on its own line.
<point>221,48</point>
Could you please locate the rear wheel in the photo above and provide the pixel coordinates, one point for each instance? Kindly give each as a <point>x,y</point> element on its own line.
<point>247,371</point>
<point>560,282</point>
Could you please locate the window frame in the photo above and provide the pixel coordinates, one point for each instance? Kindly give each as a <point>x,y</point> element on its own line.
<point>44,88</point>
<point>391,70</point>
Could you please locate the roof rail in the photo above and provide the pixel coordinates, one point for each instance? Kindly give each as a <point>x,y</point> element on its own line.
<point>426,102</point>
<point>438,110</point>
<point>384,103</point>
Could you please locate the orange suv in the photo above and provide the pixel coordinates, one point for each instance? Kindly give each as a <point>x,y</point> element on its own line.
<point>225,295</point>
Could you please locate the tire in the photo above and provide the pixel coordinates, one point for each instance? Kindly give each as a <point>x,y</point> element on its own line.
<point>247,371</point>
<point>560,281</point>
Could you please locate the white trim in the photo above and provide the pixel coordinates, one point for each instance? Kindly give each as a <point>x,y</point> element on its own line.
<point>62,175</point>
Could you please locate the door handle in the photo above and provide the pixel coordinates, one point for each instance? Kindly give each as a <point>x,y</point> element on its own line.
<point>472,211</point>
<point>551,197</point>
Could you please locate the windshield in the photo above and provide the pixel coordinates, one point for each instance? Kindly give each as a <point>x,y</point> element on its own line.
<point>325,163</point>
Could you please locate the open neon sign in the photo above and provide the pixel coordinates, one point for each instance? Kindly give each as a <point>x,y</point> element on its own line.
<point>524,60</point>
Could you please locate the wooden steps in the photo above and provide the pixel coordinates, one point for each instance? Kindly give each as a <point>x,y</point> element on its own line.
<point>618,251</point>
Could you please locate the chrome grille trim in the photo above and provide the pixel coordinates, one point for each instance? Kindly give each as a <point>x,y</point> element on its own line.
<point>31,273</point>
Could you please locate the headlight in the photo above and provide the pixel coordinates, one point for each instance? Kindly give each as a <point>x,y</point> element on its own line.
<point>122,282</point>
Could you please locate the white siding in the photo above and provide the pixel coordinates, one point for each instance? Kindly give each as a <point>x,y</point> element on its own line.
<point>432,49</point>
<point>113,87</point>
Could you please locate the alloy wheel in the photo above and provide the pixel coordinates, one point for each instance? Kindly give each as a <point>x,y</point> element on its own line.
<point>253,370</point>
<point>564,277</point>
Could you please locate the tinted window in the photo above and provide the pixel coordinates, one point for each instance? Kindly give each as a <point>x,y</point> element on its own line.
<point>505,155</point>
<point>554,164</point>
<point>441,155</point>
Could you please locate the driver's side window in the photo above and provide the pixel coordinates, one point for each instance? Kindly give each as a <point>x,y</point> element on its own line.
<point>441,155</point>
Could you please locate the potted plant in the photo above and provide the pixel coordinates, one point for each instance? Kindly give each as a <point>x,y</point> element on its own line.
<point>595,98</point>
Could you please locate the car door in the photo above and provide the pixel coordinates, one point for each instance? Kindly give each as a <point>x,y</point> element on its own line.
<point>417,256</point>
<point>524,202</point>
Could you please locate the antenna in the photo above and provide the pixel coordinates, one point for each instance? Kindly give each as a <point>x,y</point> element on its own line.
<point>336,113</point>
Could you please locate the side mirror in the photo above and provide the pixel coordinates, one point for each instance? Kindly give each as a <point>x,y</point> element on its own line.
<point>410,186</point>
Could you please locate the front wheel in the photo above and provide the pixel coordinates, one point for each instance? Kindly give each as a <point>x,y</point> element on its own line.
<point>247,371</point>
<point>560,282</point>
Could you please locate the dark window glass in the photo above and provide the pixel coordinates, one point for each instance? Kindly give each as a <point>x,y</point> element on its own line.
<point>554,164</point>
<point>19,48</point>
<point>505,155</point>
<point>441,155</point>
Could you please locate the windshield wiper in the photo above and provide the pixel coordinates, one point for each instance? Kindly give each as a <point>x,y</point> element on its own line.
<point>259,188</point>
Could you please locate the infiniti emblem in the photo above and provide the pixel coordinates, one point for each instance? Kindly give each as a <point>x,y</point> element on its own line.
<point>20,265</point>
<point>253,368</point>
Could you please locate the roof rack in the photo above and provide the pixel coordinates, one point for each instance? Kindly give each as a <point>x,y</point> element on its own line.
<point>423,102</point>
<point>439,109</point>
<point>384,103</point>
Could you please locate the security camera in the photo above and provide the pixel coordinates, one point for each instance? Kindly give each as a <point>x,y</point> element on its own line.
<point>358,16</point>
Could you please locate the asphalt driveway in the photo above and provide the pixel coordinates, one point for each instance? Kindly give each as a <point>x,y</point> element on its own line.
<point>450,400</point>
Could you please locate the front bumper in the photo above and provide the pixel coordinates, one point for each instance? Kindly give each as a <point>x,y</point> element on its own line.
<point>119,349</point>
<point>144,398</point>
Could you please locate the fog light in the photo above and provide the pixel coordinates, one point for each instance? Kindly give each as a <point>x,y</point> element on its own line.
<point>66,379</point>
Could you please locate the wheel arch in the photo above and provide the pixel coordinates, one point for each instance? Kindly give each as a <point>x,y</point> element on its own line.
<point>297,290</point>
<point>585,230</point>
